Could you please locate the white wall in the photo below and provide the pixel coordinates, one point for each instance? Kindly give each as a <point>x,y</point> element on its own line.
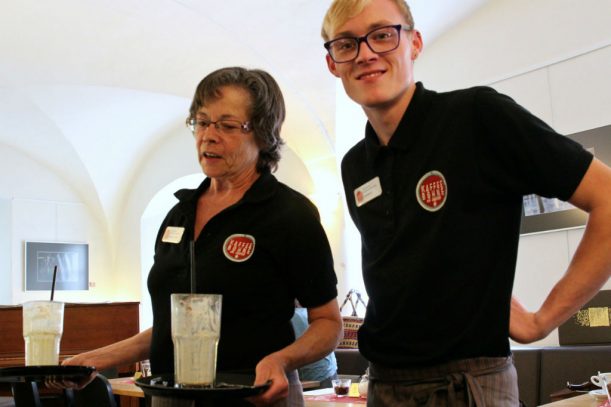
<point>350,128</point>
<point>5,251</point>
<point>38,205</point>
<point>171,158</point>
<point>507,38</point>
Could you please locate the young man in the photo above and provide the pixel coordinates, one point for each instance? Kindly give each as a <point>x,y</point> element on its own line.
<point>435,189</point>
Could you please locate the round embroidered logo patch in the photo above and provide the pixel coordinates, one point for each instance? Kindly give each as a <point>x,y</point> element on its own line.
<point>432,191</point>
<point>239,247</point>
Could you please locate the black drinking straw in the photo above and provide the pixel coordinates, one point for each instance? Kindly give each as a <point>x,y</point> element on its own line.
<point>192,265</point>
<point>53,283</point>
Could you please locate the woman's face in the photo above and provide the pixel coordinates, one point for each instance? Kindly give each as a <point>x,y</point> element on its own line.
<point>226,152</point>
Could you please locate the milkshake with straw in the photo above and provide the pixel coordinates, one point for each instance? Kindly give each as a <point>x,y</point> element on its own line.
<point>43,325</point>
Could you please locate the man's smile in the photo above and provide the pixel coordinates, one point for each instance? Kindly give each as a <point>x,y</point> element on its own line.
<point>370,74</point>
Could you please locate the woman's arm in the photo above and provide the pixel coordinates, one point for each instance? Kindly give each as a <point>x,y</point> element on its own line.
<point>124,352</point>
<point>320,339</point>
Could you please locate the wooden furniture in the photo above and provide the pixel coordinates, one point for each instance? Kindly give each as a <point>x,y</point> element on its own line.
<point>327,398</point>
<point>320,403</point>
<point>125,386</point>
<point>86,327</point>
<point>585,400</point>
<point>563,394</point>
<point>129,394</point>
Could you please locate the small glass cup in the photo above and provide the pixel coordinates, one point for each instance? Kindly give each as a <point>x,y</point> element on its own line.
<point>341,387</point>
<point>145,368</point>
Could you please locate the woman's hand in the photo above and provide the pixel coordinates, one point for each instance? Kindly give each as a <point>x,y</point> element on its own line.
<point>271,368</point>
<point>70,384</point>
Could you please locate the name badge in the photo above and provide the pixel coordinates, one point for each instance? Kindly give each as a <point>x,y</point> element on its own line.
<point>368,191</point>
<point>173,234</point>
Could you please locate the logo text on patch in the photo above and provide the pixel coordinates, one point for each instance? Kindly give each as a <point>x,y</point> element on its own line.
<point>239,247</point>
<point>432,191</point>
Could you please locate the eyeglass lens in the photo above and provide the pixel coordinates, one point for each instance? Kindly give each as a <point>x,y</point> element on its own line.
<point>224,126</point>
<point>380,40</point>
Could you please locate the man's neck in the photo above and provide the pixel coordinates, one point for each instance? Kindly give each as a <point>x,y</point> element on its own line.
<point>385,118</point>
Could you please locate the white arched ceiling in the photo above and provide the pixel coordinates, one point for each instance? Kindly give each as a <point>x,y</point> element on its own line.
<point>26,128</point>
<point>113,78</point>
<point>110,129</point>
<point>94,89</point>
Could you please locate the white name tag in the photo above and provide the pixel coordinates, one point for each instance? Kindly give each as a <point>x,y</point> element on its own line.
<point>368,191</point>
<point>173,234</point>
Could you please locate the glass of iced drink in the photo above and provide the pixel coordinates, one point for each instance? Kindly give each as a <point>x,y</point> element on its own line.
<point>196,328</point>
<point>43,325</point>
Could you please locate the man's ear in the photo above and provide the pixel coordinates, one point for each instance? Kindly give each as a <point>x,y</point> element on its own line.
<point>417,44</point>
<point>331,65</point>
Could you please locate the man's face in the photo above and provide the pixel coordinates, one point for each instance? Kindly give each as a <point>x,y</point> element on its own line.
<point>377,80</point>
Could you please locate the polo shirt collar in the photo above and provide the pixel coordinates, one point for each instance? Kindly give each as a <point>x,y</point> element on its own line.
<point>263,188</point>
<point>408,129</point>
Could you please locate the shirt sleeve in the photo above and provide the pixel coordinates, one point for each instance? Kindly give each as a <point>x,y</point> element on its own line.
<point>521,153</point>
<point>307,256</point>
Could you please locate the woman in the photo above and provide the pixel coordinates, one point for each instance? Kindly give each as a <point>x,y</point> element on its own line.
<point>257,242</point>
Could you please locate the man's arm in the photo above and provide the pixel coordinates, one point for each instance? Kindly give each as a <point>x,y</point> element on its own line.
<point>589,269</point>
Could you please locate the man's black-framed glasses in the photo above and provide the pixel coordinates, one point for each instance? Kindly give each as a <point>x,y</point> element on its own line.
<point>381,40</point>
<point>225,126</point>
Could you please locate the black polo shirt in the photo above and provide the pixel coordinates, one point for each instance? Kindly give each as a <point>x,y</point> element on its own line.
<point>440,234</point>
<point>260,254</point>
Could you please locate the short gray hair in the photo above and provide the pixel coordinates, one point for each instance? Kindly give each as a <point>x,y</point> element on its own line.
<point>267,110</point>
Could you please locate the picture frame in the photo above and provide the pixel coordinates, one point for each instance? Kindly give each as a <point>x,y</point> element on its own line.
<point>541,214</point>
<point>71,259</point>
<point>590,324</point>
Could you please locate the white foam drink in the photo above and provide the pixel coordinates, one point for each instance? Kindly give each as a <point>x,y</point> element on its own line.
<point>43,323</point>
<point>196,326</point>
<point>195,360</point>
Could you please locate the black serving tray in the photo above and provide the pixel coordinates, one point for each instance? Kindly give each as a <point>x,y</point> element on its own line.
<point>226,386</point>
<point>22,374</point>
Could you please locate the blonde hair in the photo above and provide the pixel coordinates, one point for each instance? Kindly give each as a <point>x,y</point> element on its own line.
<point>341,11</point>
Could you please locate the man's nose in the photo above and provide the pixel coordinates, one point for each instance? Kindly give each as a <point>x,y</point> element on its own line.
<point>365,52</point>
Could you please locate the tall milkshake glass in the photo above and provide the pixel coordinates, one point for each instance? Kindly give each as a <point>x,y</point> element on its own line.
<point>196,328</point>
<point>43,325</point>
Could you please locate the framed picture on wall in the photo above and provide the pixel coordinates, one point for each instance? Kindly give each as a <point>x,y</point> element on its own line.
<point>71,259</point>
<point>541,214</point>
<point>591,324</point>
